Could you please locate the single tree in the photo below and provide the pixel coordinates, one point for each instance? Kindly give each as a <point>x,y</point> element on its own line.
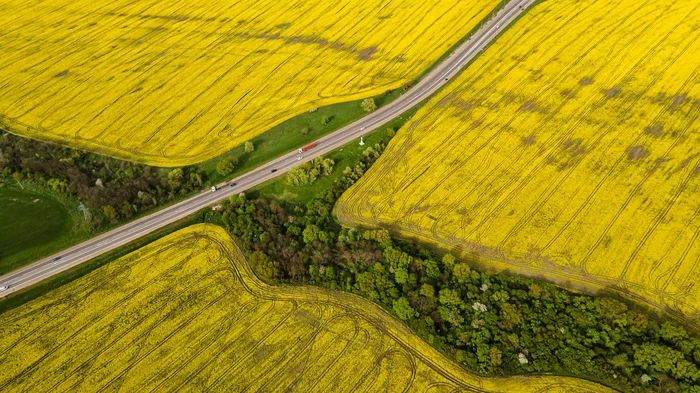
<point>110,213</point>
<point>448,261</point>
<point>403,309</point>
<point>427,290</point>
<point>176,177</point>
<point>368,105</point>
<point>511,316</point>
<point>401,275</point>
<point>267,269</point>
<point>496,356</point>
<point>450,297</point>
<point>224,167</point>
<point>249,147</point>
<point>310,233</point>
<point>461,272</point>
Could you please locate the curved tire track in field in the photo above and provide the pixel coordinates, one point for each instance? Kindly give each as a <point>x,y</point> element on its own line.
<point>235,323</point>
<point>351,304</point>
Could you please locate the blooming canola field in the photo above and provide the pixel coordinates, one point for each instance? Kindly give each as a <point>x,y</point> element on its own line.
<point>177,83</point>
<point>186,313</point>
<point>569,150</point>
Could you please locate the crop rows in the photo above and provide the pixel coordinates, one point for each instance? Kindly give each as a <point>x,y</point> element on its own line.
<point>186,313</point>
<point>177,83</point>
<point>568,150</point>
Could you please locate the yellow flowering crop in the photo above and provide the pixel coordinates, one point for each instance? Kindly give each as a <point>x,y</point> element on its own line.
<point>185,313</point>
<point>569,150</point>
<point>175,83</point>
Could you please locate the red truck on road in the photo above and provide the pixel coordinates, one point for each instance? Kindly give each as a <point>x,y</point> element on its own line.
<point>307,147</point>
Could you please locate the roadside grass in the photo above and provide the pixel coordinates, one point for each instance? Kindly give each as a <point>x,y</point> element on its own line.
<point>269,145</point>
<point>79,231</point>
<point>273,143</point>
<point>23,296</point>
<point>288,135</point>
<point>35,222</point>
<point>351,153</point>
<point>292,134</point>
<point>347,155</point>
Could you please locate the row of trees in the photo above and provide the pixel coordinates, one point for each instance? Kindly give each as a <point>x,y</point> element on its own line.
<point>310,171</point>
<point>226,166</point>
<point>492,324</point>
<point>112,189</point>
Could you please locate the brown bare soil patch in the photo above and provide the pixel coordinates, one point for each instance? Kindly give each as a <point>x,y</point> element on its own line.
<point>637,152</point>
<point>661,97</point>
<point>574,147</point>
<point>612,92</point>
<point>366,54</point>
<point>654,130</point>
<point>585,81</point>
<point>530,106</point>
<point>568,94</point>
<point>678,100</point>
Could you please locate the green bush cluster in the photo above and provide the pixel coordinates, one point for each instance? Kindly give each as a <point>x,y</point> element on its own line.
<point>310,171</point>
<point>113,190</point>
<point>492,324</point>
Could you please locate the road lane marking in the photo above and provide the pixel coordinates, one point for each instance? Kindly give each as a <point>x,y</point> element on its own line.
<point>142,226</point>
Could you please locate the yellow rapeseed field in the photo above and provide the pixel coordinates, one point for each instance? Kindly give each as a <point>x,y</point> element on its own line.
<point>186,314</point>
<point>570,150</point>
<point>175,83</point>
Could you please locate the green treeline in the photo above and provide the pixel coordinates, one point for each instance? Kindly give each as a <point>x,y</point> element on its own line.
<point>112,189</point>
<point>310,171</point>
<point>492,324</point>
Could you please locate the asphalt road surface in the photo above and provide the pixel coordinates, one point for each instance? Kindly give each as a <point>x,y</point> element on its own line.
<point>115,238</point>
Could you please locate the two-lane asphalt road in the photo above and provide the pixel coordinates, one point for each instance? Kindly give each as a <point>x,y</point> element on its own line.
<point>439,76</point>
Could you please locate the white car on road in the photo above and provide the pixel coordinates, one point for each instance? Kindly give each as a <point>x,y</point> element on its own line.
<point>3,288</point>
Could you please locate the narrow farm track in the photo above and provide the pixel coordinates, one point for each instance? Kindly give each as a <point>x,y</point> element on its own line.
<point>433,81</point>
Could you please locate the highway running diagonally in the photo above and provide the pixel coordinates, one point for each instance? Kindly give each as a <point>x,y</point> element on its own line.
<point>439,76</point>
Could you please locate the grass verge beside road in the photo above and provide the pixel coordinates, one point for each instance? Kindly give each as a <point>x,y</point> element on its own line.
<point>288,135</point>
<point>35,222</point>
<point>292,134</point>
<point>347,155</point>
<point>16,299</point>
